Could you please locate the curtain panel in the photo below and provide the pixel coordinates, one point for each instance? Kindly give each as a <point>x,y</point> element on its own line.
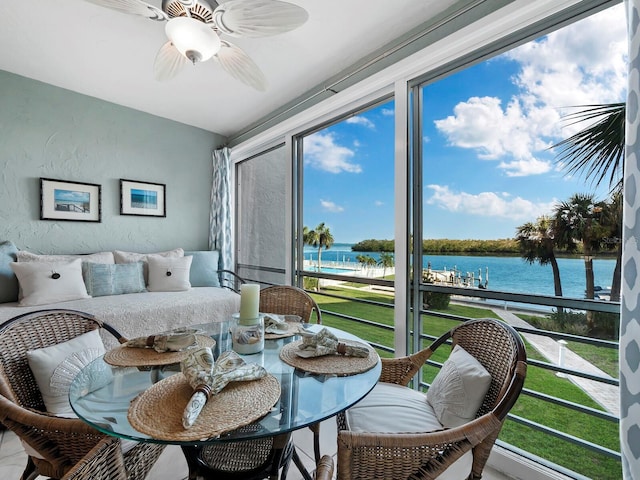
<point>630,305</point>
<point>220,217</point>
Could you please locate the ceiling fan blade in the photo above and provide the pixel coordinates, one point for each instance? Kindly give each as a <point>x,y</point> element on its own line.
<point>258,18</point>
<point>133,7</point>
<point>239,65</point>
<point>169,62</point>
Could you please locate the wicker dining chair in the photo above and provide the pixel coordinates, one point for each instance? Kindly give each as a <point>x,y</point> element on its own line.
<point>103,462</point>
<point>370,454</point>
<point>60,442</point>
<point>262,457</point>
<point>289,300</point>
<point>324,468</point>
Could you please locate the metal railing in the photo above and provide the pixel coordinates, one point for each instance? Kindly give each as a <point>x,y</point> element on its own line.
<point>509,302</point>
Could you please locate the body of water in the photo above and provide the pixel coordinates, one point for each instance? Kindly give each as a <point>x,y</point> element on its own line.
<point>509,274</point>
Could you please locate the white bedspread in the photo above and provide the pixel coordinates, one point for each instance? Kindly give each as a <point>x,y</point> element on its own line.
<point>140,314</point>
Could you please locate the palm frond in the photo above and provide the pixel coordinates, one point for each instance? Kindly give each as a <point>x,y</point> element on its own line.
<point>596,151</point>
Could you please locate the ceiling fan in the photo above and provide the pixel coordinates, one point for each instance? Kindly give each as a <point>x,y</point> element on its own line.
<point>195,27</point>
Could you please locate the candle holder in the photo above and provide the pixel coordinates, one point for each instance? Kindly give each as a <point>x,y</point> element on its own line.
<point>247,335</point>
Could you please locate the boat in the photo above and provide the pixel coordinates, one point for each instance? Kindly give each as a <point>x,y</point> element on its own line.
<point>455,277</point>
<point>602,293</point>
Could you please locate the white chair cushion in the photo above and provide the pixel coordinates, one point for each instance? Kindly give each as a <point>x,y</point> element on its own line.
<point>391,408</point>
<point>43,282</point>
<point>54,368</point>
<point>458,390</point>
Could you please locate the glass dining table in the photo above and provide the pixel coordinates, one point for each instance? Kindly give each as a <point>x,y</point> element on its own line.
<point>102,393</point>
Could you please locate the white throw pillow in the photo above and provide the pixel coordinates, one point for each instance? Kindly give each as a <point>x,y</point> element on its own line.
<point>54,368</point>
<point>132,257</point>
<point>169,274</point>
<point>458,390</point>
<point>100,257</point>
<point>42,282</point>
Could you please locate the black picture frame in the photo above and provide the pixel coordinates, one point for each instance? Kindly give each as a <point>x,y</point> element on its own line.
<point>66,200</point>
<point>144,199</point>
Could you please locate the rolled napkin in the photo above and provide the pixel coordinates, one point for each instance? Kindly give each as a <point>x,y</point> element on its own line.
<point>326,343</point>
<point>208,377</point>
<point>275,323</point>
<point>168,342</point>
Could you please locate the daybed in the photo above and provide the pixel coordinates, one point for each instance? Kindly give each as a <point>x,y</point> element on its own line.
<point>152,309</point>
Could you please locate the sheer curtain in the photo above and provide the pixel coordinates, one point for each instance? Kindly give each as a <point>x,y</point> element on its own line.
<point>630,305</point>
<point>220,217</point>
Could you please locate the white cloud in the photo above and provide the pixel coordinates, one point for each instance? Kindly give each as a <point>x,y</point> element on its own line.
<point>331,206</point>
<point>322,152</point>
<point>582,64</point>
<point>387,112</point>
<point>378,203</point>
<point>360,120</point>
<point>487,204</point>
<point>482,124</point>
<point>523,168</point>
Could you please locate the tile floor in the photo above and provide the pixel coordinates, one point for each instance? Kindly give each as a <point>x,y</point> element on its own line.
<point>172,466</point>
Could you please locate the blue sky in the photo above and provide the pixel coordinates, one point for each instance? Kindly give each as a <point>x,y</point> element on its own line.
<point>487,133</point>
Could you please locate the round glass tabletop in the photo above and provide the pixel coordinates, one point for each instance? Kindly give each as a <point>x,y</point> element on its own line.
<point>101,393</point>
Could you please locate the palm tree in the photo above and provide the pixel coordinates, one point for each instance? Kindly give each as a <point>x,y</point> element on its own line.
<point>612,220</point>
<point>578,220</point>
<point>362,260</point>
<point>371,262</point>
<point>318,238</point>
<point>596,151</point>
<point>386,261</point>
<point>537,243</point>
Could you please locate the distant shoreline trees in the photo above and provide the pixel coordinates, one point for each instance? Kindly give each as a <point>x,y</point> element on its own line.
<point>505,246</point>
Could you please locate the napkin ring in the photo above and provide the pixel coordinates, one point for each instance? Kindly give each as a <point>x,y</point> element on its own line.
<point>203,388</point>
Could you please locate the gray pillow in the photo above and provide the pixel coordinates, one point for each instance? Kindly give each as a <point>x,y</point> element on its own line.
<point>8,280</point>
<point>204,268</point>
<point>113,279</point>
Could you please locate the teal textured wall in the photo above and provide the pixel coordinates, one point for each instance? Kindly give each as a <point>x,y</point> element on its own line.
<point>50,132</point>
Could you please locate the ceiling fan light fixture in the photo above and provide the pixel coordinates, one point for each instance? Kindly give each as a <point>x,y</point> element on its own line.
<point>195,40</point>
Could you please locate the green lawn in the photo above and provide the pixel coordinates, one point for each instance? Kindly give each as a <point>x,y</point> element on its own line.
<point>606,359</point>
<point>580,425</point>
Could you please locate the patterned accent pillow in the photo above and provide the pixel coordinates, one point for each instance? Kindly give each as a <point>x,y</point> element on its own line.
<point>113,279</point>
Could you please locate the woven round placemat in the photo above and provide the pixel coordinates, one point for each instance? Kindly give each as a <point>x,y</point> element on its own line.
<point>293,328</point>
<point>157,411</point>
<point>337,364</point>
<point>122,356</point>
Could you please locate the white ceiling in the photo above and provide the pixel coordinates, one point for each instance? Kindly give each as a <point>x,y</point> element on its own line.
<point>99,52</point>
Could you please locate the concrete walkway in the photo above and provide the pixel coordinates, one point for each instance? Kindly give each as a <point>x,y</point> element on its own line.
<point>606,395</point>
